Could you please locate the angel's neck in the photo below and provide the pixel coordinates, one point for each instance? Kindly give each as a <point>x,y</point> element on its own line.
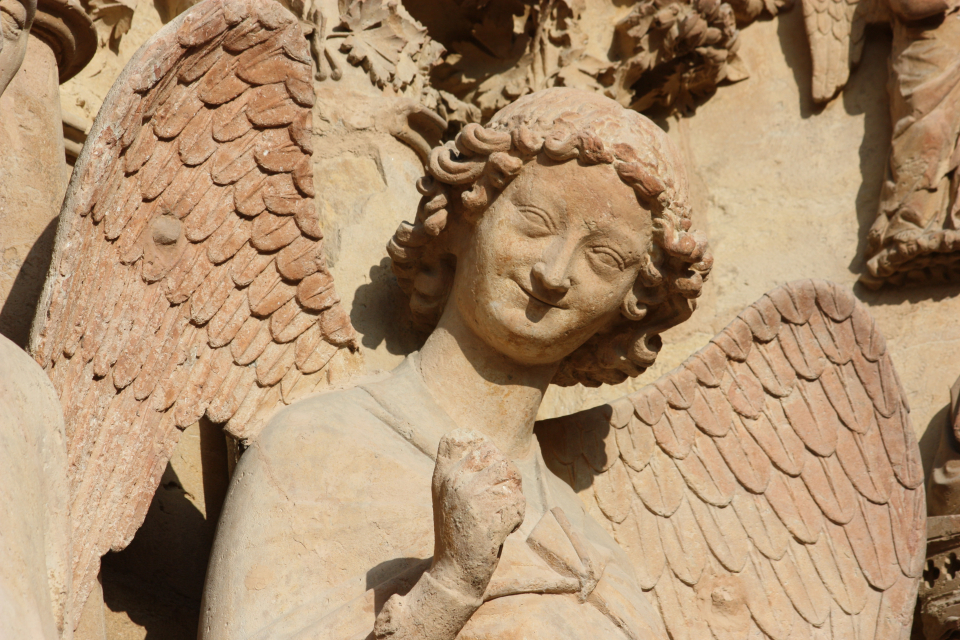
<point>480,389</point>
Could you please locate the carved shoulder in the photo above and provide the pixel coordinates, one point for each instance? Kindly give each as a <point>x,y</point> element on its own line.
<point>326,497</point>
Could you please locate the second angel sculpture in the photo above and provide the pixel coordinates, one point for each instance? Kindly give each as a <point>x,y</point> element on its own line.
<point>916,233</point>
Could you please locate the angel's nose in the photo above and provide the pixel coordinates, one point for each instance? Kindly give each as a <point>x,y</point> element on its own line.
<point>552,271</point>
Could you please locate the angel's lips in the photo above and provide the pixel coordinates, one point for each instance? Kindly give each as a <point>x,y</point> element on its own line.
<point>532,296</point>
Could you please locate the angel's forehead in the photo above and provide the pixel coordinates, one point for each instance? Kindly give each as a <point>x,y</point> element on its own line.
<point>594,193</point>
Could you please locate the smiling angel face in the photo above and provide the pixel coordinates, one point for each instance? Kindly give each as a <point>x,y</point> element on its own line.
<point>560,232</point>
<point>551,261</point>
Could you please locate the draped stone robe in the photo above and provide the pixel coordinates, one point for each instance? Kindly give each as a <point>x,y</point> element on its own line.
<point>329,514</point>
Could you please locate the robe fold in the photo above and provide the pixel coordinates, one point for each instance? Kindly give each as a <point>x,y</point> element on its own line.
<point>329,514</point>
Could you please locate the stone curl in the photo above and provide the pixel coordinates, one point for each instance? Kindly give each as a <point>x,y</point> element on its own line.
<point>561,125</point>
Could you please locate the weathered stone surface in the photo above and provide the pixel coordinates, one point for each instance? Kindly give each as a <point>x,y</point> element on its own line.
<point>795,188</point>
<point>811,449</point>
<point>18,17</point>
<point>149,321</point>
<point>32,183</point>
<point>82,95</point>
<point>771,484</point>
<point>774,179</point>
<point>35,576</point>
<point>915,236</point>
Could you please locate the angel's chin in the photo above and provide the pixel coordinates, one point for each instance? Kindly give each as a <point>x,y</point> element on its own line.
<point>538,341</point>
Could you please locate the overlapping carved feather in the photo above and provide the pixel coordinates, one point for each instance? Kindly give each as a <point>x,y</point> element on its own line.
<point>770,486</point>
<point>835,29</point>
<point>189,276</point>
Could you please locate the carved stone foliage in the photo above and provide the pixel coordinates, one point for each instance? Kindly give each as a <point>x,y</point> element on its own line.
<point>666,53</point>
<point>394,49</point>
<point>112,18</point>
<point>190,277</point>
<point>772,481</point>
<point>670,55</point>
<point>916,235</point>
<point>940,587</point>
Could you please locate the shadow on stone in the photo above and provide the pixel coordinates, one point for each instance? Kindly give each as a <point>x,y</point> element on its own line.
<point>158,580</point>
<point>796,52</point>
<point>381,313</point>
<point>16,316</point>
<point>930,440</point>
<point>865,95</point>
<point>394,576</point>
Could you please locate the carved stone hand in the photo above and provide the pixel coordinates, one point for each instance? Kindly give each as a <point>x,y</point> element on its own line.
<point>477,503</point>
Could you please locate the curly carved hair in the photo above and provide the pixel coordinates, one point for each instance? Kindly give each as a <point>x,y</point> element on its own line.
<point>466,175</point>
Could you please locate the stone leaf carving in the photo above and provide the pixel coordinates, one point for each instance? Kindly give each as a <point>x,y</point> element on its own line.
<point>392,47</point>
<point>112,18</point>
<point>686,48</point>
<point>916,235</point>
<point>189,276</point>
<point>772,481</point>
<point>395,50</point>
<point>664,53</point>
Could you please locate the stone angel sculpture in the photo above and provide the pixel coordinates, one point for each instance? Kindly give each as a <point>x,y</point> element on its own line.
<point>770,487</point>
<point>916,235</point>
<point>188,278</point>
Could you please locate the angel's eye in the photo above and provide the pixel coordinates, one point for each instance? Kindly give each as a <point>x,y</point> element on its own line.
<point>607,257</point>
<point>535,220</point>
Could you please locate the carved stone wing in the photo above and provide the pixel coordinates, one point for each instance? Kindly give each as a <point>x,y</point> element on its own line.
<point>771,485</point>
<point>189,276</point>
<point>835,29</point>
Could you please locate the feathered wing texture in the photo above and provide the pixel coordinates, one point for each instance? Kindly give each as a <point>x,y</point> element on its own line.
<point>769,487</point>
<point>835,29</point>
<point>189,277</point>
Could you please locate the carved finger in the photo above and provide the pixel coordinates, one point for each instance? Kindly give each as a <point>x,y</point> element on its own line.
<point>501,473</point>
<point>454,446</point>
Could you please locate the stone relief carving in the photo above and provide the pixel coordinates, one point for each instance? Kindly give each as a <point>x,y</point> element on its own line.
<point>767,453</point>
<point>383,39</point>
<point>770,486</point>
<point>16,18</point>
<point>56,39</point>
<point>112,18</point>
<point>666,54</point>
<point>916,236</point>
<point>34,557</point>
<point>188,277</point>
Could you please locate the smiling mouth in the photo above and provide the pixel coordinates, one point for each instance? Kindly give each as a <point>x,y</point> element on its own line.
<point>531,295</point>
